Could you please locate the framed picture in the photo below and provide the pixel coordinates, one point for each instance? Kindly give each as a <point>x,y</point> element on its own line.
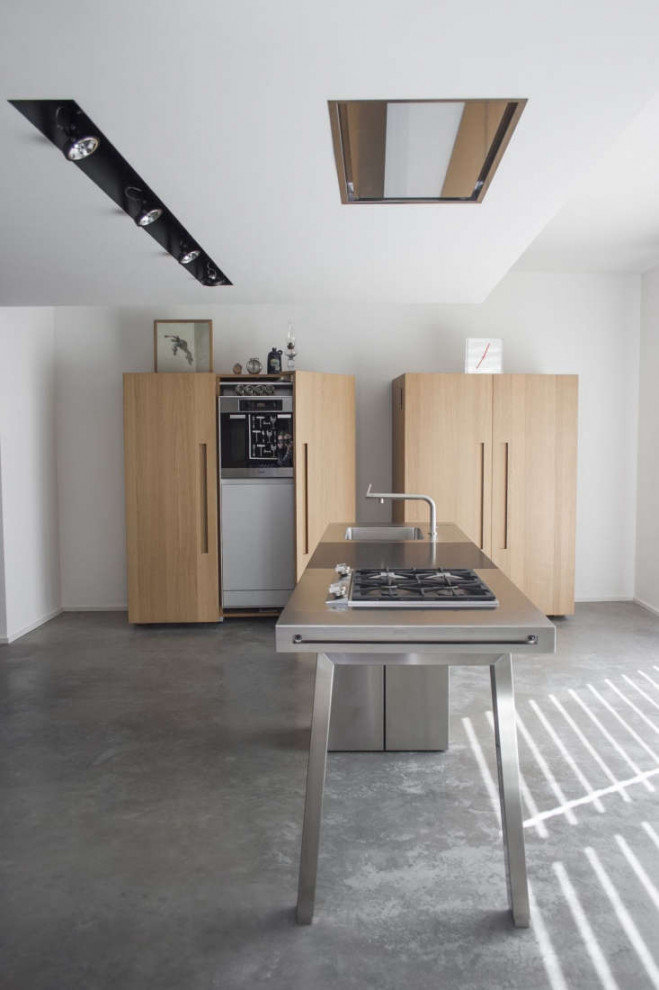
<point>183,345</point>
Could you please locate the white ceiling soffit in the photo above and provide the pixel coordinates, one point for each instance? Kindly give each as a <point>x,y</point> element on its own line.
<point>610,222</point>
<point>222,108</point>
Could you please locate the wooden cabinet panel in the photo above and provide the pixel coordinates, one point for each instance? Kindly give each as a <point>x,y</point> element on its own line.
<point>534,486</point>
<point>170,437</point>
<point>443,448</point>
<point>324,457</point>
<point>498,453</point>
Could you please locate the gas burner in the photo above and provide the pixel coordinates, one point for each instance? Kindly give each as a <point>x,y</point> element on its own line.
<point>420,588</point>
<point>386,577</point>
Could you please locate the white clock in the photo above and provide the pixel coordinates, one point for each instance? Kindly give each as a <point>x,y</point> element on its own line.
<point>484,355</point>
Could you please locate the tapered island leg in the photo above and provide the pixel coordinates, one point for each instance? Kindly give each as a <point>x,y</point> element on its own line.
<point>505,731</point>
<point>313,805</point>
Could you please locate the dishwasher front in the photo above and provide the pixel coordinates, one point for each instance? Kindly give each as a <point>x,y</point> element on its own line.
<point>257,520</point>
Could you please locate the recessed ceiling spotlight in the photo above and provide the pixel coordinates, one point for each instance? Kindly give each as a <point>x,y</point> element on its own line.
<point>81,148</point>
<point>77,146</point>
<point>213,277</point>
<point>150,216</point>
<point>188,254</point>
<point>146,213</point>
<point>76,135</point>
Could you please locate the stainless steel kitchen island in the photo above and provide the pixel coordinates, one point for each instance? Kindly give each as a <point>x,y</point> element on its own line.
<point>344,636</point>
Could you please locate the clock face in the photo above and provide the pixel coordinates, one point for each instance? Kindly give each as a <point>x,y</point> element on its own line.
<point>483,355</point>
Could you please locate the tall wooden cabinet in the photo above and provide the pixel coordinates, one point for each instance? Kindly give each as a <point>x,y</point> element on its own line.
<point>171,473</point>
<point>170,444</point>
<point>324,430</point>
<point>498,453</point>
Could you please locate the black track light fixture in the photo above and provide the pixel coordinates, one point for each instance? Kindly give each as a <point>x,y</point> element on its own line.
<point>76,135</point>
<point>146,212</point>
<point>77,146</point>
<point>213,276</point>
<point>188,254</point>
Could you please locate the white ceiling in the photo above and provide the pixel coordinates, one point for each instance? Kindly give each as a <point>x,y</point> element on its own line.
<point>221,107</point>
<point>610,221</point>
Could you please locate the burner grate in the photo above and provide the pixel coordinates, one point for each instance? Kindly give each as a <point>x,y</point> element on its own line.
<point>420,587</point>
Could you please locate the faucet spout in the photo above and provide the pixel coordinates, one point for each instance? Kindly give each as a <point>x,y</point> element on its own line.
<point>405,496</point>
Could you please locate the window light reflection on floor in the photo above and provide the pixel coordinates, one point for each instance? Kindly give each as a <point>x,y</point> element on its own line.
<point>634,707</point>
<point>624,917</point>
<point>544,767</point>
<point>642,693</point>
<point>588,746</point>
<point>651,832</point>
<point>618,717</point>
<point>588,936</point>
<point>536,818</point>
<point>649,679</point>
<point>637,867</point>
<point>567,756</point>
<point>607,735</point>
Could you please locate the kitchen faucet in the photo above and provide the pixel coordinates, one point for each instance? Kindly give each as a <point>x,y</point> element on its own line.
<point>404,495</point>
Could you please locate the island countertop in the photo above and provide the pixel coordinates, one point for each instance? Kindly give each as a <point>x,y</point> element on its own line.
<point>309,625</point>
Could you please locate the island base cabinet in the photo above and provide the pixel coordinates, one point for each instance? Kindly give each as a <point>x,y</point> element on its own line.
<point>417,707</point>
<point>387,707</point>
<point>357,718</point>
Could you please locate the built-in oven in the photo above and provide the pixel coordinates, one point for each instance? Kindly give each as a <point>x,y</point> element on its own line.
<point>257,501</point>
<point>256,430</point>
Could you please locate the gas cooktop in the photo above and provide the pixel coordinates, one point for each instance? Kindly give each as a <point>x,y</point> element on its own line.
<point>415,587</point>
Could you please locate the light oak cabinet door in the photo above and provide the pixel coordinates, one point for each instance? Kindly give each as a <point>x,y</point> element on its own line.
<point>534,434</point>
<point>170,442</point>
<point>324,430</point>
<point>498,453</point>
<point>443,448</point>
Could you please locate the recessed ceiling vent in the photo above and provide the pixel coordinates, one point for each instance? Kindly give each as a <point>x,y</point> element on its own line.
<point>81,142</point>
<point>419,151</point>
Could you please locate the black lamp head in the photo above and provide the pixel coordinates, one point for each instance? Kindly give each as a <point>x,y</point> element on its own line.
<point>188,254</point>
<point>213,276</point>
<point>77,145</point>
<point>147,213</point>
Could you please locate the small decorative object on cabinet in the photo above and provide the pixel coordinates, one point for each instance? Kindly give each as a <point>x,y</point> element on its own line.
<point>290,348</point>
<point>498,453</point>
<point>237,368</point>
<point>274,361</point>
<point>183,345</point>
<point>484,356</point>
<point>254,366</point>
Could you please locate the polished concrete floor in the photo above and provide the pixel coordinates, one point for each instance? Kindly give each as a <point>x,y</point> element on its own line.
<point>152,788</point>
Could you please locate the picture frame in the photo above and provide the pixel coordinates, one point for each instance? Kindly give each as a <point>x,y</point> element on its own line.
<point>183,345</point>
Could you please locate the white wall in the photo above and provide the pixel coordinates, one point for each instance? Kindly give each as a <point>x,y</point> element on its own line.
<point>29,542</point>
<point>647,536</point>
<point>583,324</point>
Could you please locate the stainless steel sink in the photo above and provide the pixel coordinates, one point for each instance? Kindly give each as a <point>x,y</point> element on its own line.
<point>384,534</point>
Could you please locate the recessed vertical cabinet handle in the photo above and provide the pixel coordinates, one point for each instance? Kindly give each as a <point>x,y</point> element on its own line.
<point>306,498</point>
<point>482,485</point>
<point>506,477</point>
<point>203,493</point>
